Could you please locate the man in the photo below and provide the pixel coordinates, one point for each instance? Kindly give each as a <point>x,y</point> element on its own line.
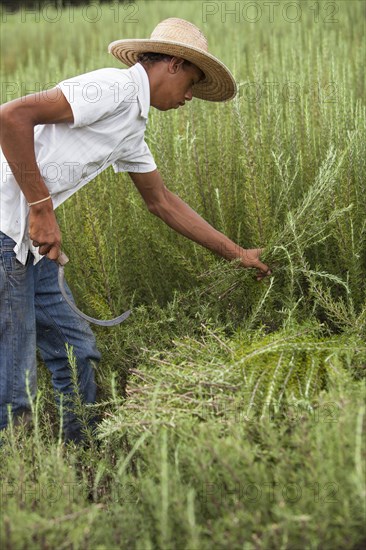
<point>54,143</point>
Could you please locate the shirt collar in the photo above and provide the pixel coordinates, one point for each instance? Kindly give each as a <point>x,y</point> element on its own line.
<point>143,91</point>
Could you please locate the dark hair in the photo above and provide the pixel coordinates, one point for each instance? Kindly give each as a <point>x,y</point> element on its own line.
<point>151,57</point>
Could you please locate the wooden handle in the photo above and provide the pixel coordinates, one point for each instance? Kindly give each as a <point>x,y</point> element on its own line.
<point>62,259</point>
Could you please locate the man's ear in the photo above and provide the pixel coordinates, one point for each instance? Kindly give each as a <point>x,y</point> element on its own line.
<point>175,64</point>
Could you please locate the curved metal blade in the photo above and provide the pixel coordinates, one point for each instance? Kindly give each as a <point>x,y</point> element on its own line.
<point>62,260</point>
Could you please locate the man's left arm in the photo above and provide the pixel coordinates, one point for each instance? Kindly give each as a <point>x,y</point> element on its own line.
<point>183,219</point>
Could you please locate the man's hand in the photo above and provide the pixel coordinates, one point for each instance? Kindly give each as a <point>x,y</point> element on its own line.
<point>44,231</point>
<point>251,258</point>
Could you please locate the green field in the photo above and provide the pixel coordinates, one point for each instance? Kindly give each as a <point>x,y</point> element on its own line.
<point>233,412</point>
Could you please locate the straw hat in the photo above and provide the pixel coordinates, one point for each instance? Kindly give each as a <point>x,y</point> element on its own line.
<point>180,38</point>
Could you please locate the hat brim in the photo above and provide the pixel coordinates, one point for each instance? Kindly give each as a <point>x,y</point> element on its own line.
<point>218,83</point>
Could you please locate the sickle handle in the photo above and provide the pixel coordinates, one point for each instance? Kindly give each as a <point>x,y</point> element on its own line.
<point>62,259</point>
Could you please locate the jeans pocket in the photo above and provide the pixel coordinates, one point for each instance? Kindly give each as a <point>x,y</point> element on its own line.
<point>12,266</point>
<point>10,263</point>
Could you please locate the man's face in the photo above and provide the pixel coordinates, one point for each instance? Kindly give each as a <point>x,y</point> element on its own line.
<point>176,83</point>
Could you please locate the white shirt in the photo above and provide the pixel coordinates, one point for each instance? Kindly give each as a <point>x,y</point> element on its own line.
<point>110,108</point>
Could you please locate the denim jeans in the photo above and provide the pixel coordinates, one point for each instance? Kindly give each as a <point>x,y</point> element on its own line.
<point>33,314</point>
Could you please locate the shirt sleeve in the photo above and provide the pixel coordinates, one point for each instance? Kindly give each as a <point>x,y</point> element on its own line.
<point>141,161</point>
<point>95,95</point>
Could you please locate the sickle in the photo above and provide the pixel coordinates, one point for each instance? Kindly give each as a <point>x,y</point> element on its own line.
<point>62,260</point>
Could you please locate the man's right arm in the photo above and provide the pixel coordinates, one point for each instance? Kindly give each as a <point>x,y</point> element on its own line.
<point>17,121</point>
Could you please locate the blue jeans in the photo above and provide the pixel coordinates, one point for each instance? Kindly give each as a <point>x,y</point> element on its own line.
<point>33,314</point>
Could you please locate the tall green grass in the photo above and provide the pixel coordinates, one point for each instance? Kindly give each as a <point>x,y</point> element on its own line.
<point>233,411</point>
<point>191,459</point>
